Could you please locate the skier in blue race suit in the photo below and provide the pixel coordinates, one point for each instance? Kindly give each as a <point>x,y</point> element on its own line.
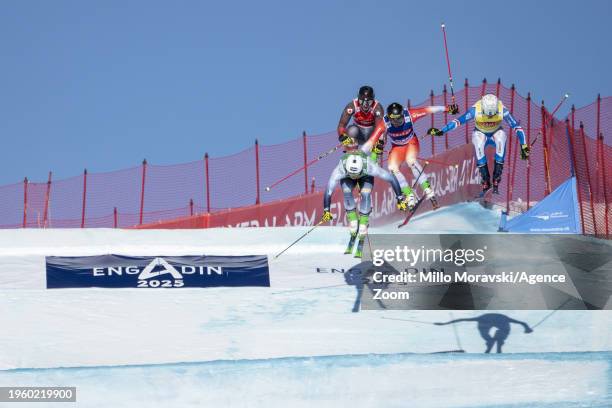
<point>488,115</point>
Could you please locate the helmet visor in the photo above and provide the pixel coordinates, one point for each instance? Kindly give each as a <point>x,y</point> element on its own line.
<point>490,112</point>
<point>396,119</point>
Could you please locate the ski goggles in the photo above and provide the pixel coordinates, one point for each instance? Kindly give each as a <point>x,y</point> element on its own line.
<point>396,120</point>
<point>366,102</point>
<point>487,113</point>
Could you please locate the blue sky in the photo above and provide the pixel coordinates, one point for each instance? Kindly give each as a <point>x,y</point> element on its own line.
<point>103,84</point>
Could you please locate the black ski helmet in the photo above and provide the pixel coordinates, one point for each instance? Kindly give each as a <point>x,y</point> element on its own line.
<point>366,92</point>
<point>395,110</point>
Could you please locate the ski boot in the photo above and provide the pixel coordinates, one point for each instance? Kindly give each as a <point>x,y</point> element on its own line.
<point>429,194</point>
<point>497,173</point>
<point>359,251</point>
<point>486,178</point>
<point>349,247</point>
<point>363,231</point>
<point>408,198</point>
<point>406,204</point>
<point>353,221</point>
<point>434,203</point>
<point>486,186</point>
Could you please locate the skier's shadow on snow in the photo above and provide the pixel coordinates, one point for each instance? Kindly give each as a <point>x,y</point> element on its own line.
<point>489,321</point>
<point>360,276</point>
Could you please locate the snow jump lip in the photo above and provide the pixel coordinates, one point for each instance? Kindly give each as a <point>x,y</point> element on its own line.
<point>431,357</point>
<point>536,379</point>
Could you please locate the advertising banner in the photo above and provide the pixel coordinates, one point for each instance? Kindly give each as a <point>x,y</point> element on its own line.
<point>117,271</point>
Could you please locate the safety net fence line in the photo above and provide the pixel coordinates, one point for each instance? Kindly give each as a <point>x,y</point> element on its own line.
<point>151,193</point>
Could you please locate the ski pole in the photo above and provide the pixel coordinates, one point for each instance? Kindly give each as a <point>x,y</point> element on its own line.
<point>406,320</point>
<point>416,180</point>
<point>299,239</point>
<point>436,161</point>
<point>532,143</point>
<point>559,104</point>
<point>450,75</point>
<point>456,332</point>
<point>306,289</point>
<point>551,313</point>
<point>319,157</point>
<point>552,115</point>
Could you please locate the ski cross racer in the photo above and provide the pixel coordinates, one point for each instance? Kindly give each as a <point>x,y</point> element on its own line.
<point>398,125</point>
<point>366,112</point>
<point>488,114</point>
<point>357,169</point>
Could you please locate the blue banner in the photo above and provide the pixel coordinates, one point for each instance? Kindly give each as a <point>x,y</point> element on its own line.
<point>117,271</point>
<point>557,213</point>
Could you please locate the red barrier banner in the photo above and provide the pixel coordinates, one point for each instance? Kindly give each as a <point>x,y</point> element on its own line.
<point>453,176</point>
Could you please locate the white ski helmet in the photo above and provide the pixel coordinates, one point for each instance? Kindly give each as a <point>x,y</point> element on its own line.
<point>489,105</point>
<point>353,164</point>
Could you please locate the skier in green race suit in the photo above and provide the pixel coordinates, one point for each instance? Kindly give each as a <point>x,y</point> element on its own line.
<point>357,169</point>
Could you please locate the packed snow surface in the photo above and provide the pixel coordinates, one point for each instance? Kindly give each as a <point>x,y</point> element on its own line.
<point>300,342</point>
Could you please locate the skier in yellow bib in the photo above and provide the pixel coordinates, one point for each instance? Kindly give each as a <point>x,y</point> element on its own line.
<point>488,115</point>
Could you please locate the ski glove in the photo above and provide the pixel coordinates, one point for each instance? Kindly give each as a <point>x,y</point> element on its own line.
<point>327,216</point>
<point>402,203</point>
<point>435,132</point>
<point>379,147</point>
<point>346,140</point>
<point>453,109</point>
<point>525,151</point>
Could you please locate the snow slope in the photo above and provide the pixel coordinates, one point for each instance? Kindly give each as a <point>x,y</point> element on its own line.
<point>258,341</point>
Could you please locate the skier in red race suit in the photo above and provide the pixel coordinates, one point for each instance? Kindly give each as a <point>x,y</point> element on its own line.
<point>366,112</point>
<point>398,125</point>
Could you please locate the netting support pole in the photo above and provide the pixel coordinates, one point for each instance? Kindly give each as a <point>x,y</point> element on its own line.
<point>47,196</point>
<point>498,87</point>
<point>570,147</point>
<point>445,116</point>
<point>509,179</point>
<point>465,108</point>
<point>600,140</point>
<point>588,173</point>
<point>191,207</point>
<point>528,144</point>
<point>115,217</point>
<point>257,197</point>
<point>573,156</point>
<point>305,162</point>
<point>433,140</point>
<point>142,189</point>
<point>207,177</point>
<point>25,202</point>
<point>484,87</point>
<point>84,202</point>
<point>570,141</point>
<point>598,113</point>
<point>545,151</point>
